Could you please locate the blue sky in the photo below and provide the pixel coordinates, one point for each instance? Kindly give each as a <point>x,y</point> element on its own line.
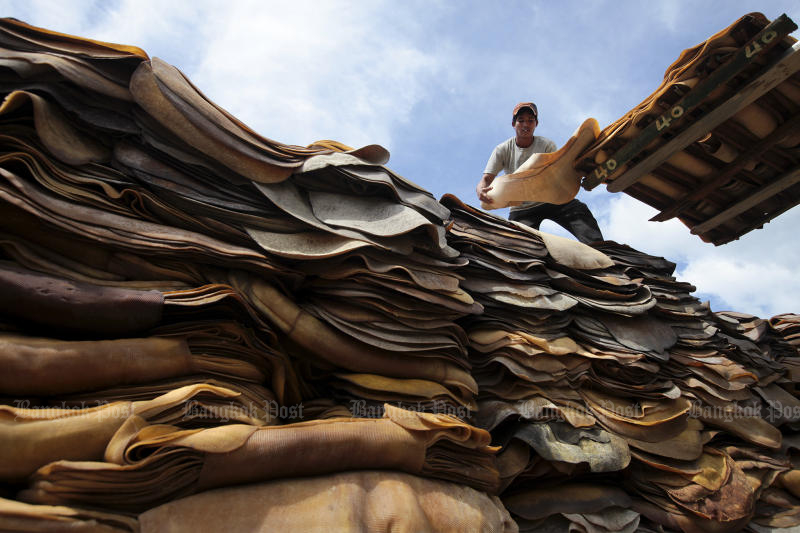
<point>435,82</point>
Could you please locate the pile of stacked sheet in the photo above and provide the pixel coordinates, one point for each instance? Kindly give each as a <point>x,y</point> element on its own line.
<point>788,324</point>
<point>619,400</point>
<point>174,285</point>
<point>378,270</point>
<point>204,329</point>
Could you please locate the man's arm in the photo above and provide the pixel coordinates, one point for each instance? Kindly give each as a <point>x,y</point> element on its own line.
<point>484,186</point>
<point>494,166</point>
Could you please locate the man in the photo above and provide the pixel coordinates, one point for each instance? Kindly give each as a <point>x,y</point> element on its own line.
<point>573,216</point>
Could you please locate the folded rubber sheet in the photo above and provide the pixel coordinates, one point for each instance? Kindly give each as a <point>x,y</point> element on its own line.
<point>370,501</point>
<point>76,306</point>
<point>545,177</point>
<point>147,464</point>
<point>19,516</point>
<point>33,437</point>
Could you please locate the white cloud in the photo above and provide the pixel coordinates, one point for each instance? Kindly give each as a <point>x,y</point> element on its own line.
<point>169,30</point>
<point>747,284</point>
<point>295,72</point>
<point>625,220</point>
<point>753,275</point>
<point>670,14</point>
<point>173,31</point>
<point>304,71</point>
<point>51,14</point>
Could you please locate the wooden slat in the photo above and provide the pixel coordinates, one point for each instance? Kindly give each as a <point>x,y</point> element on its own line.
<point>786,66</point>
<point>729,171</point>
<point>783,182</point>
<point>759,223</point>
<point>776,158</point>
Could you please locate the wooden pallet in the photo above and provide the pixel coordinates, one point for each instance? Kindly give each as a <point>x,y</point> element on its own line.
<point>711,205</point>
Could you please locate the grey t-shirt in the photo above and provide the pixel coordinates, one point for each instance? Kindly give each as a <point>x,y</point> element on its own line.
<point>508,157</point>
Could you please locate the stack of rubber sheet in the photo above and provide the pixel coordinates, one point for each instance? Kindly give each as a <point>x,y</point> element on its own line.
<point>202,329</point>
<point>715,144</point>
<point>378,271</point>
<point>619,400</point>
<point>173,284</point>
<point>788,325</point>
<point>142,183</point>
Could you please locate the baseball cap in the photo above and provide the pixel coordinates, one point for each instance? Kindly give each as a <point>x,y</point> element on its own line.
<point>524,105</point>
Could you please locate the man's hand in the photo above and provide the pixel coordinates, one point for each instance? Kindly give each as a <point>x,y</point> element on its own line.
<point>483,195</point>
<point>483,188</point>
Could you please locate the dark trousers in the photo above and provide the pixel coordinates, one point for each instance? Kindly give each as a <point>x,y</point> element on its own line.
<point>573,216</point>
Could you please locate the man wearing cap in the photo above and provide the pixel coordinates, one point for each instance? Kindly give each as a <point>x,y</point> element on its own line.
<point>573,216</point>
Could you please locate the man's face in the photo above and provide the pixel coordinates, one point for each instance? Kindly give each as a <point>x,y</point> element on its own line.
<point>525,124</point>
